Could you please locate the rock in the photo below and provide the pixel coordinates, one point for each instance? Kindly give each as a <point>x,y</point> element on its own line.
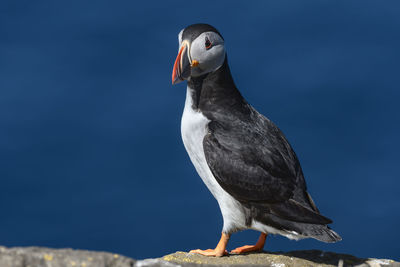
<point>307,258</point>
<point>46,257</point>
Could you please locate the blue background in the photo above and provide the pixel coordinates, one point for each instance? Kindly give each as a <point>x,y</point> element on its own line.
<point>90,146</point>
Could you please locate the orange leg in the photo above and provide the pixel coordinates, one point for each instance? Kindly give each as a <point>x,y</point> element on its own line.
<point>219,251</point>
<point>257,247</point>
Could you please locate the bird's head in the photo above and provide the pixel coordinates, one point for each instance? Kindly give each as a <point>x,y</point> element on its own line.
<point>201,50</point>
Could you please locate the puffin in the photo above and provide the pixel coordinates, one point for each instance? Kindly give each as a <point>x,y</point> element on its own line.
<point>243,158</point>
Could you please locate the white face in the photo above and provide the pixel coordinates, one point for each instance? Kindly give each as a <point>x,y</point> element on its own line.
<point>209,50</point>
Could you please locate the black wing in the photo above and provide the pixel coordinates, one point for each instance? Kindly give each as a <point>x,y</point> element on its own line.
<point>252,160</point>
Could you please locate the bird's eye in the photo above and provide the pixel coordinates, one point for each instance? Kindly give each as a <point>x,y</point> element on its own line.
<point>208,43</point>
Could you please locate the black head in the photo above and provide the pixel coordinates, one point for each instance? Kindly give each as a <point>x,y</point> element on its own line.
<point>201,51</point>
<point>193,31</point>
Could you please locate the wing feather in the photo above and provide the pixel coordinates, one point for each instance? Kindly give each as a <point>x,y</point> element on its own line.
<point>254,163</point>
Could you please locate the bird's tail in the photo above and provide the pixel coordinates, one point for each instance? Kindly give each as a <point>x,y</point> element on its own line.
<point>321,232</point>
<point>317,231</point>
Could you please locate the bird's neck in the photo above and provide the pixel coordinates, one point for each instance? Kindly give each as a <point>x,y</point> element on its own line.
<point>215,91</point>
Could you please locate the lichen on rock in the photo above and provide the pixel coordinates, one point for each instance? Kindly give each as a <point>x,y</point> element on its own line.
<point>307,258</point>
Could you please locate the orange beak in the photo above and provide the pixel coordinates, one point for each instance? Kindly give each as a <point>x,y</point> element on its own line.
<point>182,68</point>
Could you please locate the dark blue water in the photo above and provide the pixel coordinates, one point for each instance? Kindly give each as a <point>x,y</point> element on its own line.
<point>90,146</point>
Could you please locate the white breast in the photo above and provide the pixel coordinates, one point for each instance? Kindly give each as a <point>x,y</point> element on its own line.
<point>193,130</point>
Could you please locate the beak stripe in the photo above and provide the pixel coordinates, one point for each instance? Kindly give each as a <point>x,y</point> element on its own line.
<point>177,65</point>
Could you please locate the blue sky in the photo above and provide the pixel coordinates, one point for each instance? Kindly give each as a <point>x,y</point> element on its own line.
<point>90,146</point>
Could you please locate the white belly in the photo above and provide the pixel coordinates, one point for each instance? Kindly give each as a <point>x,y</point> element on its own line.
<point>193,130</point>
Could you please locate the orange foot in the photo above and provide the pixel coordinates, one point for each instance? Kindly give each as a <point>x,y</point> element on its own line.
<point>250,248</point>
<point>219,251</point>
<point>210,252</point>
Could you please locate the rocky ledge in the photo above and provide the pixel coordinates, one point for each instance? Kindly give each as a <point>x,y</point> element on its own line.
<point>308,258</point>
<point>46,257</point>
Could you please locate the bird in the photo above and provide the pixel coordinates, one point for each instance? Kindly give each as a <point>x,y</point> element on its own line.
<point>243,158</point>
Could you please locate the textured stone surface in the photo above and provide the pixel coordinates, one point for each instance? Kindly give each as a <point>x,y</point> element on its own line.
<point>45,257</point>
<point>290,259</point>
